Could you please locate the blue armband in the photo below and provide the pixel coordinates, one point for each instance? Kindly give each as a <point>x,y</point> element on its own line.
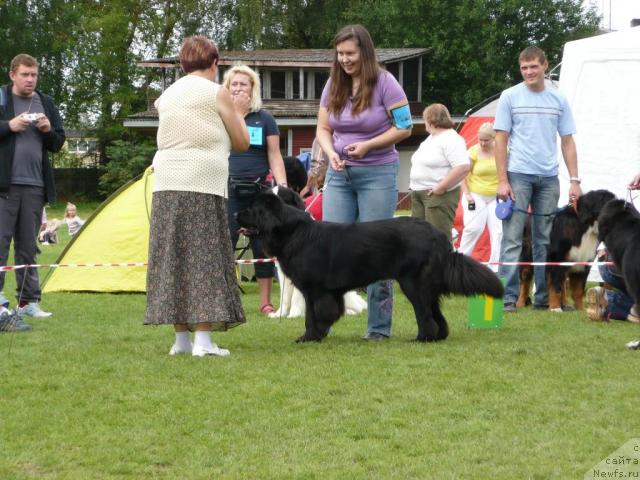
<point>402,117</point>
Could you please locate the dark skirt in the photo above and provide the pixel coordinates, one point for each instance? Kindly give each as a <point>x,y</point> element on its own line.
<point>191,275</point>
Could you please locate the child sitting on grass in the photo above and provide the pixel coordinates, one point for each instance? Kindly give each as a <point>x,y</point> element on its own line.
<point>49,232</point>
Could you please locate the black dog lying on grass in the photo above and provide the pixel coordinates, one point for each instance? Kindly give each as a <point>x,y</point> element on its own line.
<point>326,260</point>
<point>619,229</point>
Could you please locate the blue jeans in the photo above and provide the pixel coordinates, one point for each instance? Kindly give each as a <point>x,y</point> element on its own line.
<point>619,302</point>
<point>542,193</point>
<point>364,194</point>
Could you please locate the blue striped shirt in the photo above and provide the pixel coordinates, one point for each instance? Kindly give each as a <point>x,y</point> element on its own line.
<point>533,120</point>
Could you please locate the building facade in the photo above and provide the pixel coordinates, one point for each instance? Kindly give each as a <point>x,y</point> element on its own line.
<point>292,83</point>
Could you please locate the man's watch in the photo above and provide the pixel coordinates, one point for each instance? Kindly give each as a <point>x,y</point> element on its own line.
<point>577,180</point>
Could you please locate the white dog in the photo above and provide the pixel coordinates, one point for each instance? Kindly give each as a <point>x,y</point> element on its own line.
<point>292,302</point>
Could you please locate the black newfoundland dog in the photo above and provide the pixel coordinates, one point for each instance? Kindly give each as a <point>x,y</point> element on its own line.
<point>326,260</point>
<point>619,229</point>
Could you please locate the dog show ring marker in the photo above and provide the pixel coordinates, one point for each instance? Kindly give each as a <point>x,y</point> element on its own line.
<point>485,312</point>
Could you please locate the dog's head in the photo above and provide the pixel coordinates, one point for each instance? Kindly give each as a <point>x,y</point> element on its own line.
<point>615,212</point>
<point>269,216</point>
<point>296,174</point>
<point>590,204</point>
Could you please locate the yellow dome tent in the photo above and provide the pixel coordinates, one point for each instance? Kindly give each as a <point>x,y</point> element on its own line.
<point>117,232</point>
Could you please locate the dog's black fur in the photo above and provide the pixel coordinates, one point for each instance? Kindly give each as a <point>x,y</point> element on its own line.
<point>296,174</point>
<point>325,260</point>
<point>290,197</point>
<point>619,229</point>
<point>574,237</point>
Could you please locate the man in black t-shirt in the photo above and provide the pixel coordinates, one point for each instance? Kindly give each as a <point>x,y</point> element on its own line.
<point>30,127</point>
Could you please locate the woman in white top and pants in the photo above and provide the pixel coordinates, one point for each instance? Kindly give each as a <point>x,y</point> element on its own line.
<point>437,169</point>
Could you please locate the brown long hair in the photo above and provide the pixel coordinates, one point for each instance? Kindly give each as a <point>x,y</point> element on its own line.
<point>341,83</point>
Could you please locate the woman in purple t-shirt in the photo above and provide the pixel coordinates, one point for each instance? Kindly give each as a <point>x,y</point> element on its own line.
<point>363,114</point>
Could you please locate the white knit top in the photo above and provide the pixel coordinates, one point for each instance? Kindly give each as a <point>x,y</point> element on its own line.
<point>193,143</point>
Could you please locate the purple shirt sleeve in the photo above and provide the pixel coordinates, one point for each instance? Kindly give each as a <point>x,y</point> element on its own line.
<point>390,90</point>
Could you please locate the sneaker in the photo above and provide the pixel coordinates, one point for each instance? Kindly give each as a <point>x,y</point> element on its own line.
<point>510,307</point>
<point>33,310</point>
<point>633,318</point>
<point>596,303</point>
<point>200,351</point>
<point>374,337</point>
<point>633,345</point>
<point>176,350</point>
<point>11,322</point>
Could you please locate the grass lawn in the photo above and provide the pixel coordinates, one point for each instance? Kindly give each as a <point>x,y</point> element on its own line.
<point>91,393</point>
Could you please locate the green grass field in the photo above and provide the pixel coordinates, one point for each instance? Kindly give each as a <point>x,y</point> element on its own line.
<point>91,393</point>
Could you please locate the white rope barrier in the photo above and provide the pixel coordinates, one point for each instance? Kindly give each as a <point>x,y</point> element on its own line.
<point>8,268</point>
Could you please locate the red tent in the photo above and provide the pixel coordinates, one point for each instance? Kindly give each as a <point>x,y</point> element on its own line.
<point>469,132</point>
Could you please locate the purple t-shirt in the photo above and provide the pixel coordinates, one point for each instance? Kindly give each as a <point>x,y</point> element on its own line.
<point>369,123</point>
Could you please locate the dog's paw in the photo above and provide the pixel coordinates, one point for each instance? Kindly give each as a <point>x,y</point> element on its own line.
<point>275,314</point>
<point>304,339</point>
<point>427,339</point>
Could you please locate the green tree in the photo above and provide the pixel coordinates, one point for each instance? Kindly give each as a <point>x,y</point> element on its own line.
<point>128,159</point>
<point>475,43</point>
<point>88,49</point>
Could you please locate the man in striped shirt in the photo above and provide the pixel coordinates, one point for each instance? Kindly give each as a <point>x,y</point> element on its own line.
<point>528,120</point>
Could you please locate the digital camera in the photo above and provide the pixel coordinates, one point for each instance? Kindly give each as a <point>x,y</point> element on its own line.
<point>32,117</point>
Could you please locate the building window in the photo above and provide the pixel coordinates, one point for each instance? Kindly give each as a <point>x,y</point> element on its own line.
<point>320,78</point>
<point>263,84</point>
<point>394,69</point>
<point>278,84</point>
<point>410,79</point>
<point>295,77</point>
<point>82,147</point>
<point>221,71</point>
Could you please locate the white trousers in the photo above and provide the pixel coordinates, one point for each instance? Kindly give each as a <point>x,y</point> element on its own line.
<point>474,223</point>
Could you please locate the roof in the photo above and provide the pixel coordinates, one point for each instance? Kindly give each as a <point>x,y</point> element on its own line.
<point>312,57</point>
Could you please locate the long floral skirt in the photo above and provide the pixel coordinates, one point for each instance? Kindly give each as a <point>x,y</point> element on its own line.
<point>191,275</point>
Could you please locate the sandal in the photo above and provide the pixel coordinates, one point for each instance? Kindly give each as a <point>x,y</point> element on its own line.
<point>267,308</point>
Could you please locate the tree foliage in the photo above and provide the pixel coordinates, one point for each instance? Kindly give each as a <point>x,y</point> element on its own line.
<point>128,159</point>
<point>474,43</point>
<point>88,49</point>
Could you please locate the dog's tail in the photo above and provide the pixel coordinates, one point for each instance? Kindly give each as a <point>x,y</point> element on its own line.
<point>465,276</point>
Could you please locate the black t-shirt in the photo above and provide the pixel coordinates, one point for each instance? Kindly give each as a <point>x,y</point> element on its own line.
<point>27,158</point>
<point>254,162</point>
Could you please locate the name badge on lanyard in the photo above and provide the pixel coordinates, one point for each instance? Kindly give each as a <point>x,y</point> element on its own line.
<point>255,136</point>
